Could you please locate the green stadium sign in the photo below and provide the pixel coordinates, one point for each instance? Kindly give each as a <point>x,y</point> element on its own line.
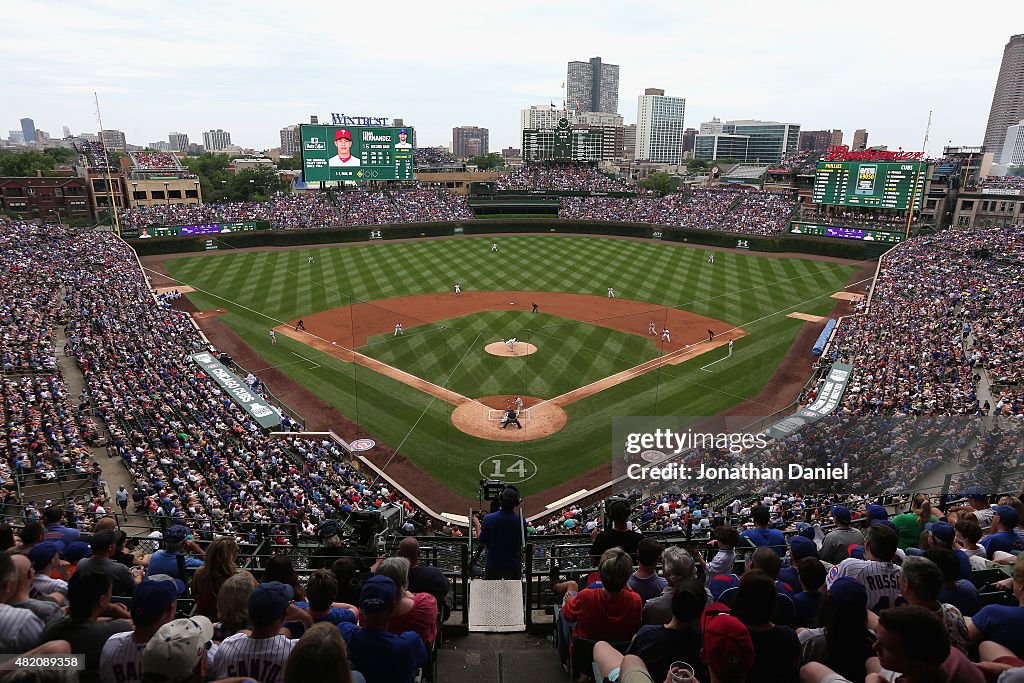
<point>877,185</point>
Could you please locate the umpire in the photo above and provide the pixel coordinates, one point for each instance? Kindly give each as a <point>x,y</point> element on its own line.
<point>510,418</point>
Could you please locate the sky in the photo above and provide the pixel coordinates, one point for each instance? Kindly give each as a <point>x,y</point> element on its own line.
<point>253,67</point>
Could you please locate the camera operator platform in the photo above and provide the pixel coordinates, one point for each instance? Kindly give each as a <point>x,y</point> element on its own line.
<point>497,601</point>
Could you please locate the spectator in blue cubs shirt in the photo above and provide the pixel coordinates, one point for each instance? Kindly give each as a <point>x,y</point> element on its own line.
<point>378,654</point>
<point>1002,538</point>
<point>761,535</point>
<point>165,561</point>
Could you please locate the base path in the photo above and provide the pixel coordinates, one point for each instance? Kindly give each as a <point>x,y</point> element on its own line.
<point>501,349</point>
<point>482,418</point>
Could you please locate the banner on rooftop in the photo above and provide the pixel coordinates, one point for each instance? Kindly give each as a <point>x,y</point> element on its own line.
<point>251,402</point>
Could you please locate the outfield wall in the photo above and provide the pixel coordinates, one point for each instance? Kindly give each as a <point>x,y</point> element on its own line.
<point>284,238</point>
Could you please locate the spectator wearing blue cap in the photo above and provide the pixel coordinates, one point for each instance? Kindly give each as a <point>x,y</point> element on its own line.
<point>978,503</point>
<point>943,535</point>
<point>378,654</point>
<point>45,559</point>
<point>1002,538</point>
<point>262,655</point>
<point>841,639</point>
<point>876,513</point>
<point>799,548</point>
<point>835,546</point>
<point>153,605</point>
<point>166,561</point>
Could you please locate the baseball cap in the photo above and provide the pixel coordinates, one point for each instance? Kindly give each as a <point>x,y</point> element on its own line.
<point>728,649</point>
<point>721,583</point>
<point>42,553</point>
<point>876,511</point>
<point>102,540</point>
<point>327,529</point>
<point>153,598</point>
<point>841,513</point>
<point>173,653</point>
<point>403,131</point>
<point>176,534</point>
<point>76,551</point>
<point>178,583</point>
<point>1007,515</point>
<point>378,594</point>
<point>802,547</point>
<point>848,590</point>
<point>975,493</point>
<point>270,600</point>
<point>943,531</point>
<point>342,133</point>
<point>806,530</point>
<point>856,551</point>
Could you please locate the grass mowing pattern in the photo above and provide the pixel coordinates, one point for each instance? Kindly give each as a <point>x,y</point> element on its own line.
<point>738,288</point>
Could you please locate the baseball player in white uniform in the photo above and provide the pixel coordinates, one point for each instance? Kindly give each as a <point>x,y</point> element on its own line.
<point>519,405</point>
<point>398,330</point>
<point>666,336</point>
<point>273,338</point>
<point>309,260</point>
<point>730,348</point>
<point>652,329</point>
<point>711,257</point>
<point>458,288</point>
<point>611,292</point>
<point>512,345</point>
<point>494,246</point>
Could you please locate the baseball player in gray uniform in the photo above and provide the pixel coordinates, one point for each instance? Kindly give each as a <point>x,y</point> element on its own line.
<point>652,329</point>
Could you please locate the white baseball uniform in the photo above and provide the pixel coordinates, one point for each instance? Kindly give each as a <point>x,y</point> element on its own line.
<point>494,246</point>
<point>519,405</point>
<point>273,337</point>
<point>260,658</point>
<point>730,347</point>
<point>309,260</point>
<point>881,579</point>
<point>121,659</point>
<point>398,329</point>
<point>611,293</point>
<point>666,336</point>
<point>458,288</point>
<point>711,257</point>
<point>651,329</point>
<point>512,344</point>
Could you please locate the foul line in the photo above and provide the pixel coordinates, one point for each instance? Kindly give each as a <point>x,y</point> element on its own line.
<point>713,362</point>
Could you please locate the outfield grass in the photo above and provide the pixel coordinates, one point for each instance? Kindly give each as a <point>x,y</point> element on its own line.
<point>262,289</point>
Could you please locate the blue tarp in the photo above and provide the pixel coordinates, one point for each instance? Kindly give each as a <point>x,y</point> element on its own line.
<point>819,345</point>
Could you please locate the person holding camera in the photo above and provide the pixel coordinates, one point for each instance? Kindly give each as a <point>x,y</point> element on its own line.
<point>502,533</point>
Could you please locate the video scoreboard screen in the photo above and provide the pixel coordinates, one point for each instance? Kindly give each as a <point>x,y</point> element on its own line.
<point>871,184</point>
<point>356,153</point>
<point>845,233</point>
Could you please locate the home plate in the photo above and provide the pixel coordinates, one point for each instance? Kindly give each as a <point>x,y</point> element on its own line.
<point>808,317</point>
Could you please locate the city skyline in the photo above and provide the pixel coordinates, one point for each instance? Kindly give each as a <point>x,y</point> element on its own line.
<point>197,79</point>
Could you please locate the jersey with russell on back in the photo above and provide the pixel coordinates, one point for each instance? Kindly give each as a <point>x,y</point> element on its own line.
<point>881,579</point>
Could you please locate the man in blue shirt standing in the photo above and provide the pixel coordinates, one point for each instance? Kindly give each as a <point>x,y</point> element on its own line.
<point>166,561</point>
<point>502,534</point>
<point>761,535</point>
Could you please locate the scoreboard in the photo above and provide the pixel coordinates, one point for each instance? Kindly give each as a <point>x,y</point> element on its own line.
<point>845,233</point>
<point>876,185</point>
<point>356,153</point>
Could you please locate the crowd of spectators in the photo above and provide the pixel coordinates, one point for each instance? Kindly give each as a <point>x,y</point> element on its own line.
<point>912,350</point>
<point>434,155</point>
<point>1010,182</point>
<point>800,161</point>
<point>27,315</point>
<point>569,177</point>
<point>835,215</point>
<point>754,212</point>
<point>155,161</point>
<point>426,204</point>
<point>95,155</point>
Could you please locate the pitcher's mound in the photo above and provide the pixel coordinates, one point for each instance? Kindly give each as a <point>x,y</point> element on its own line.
<point>501,349</point>
<point>482,418</point>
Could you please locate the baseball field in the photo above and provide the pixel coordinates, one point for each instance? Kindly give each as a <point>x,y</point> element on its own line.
<point>435,391</point>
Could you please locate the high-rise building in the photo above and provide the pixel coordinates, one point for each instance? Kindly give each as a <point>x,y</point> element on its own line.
<point>178,141</point>
<point>815,140</point>
<point>160,146</point>
<point>470,141</point>
<point>1013,145</point>
<point>612,127</point>
<point>113,140</point>
<point>15,137</point>
<point>542,117</point>
<point>629,141</point>
<point>659,127</point>
<point>28,131</point>
<point>1008,97</point>
<point>860,140</point>
<point>747,140</point>
<point>216,140</point>
<point>67,132</point>
<point>837,138</point>
<point>290,141</point>
<point>592,86</point>
<point>689,139</point>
